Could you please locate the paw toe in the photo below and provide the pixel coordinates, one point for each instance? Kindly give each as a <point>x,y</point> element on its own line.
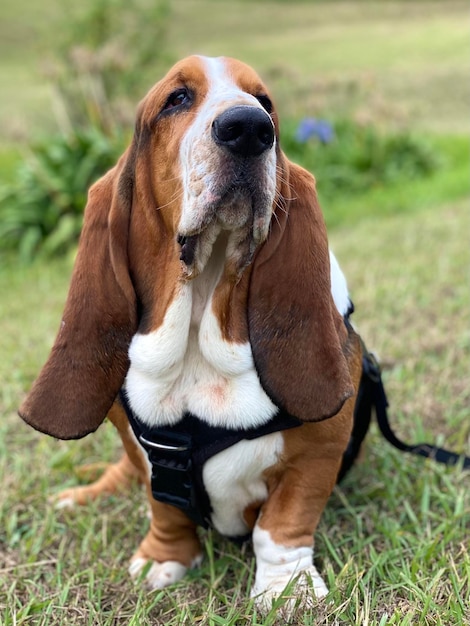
<point>308,587</point>
<point>159,575</point>
<point>66,499</point>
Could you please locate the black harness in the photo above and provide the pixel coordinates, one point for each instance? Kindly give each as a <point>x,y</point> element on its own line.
<point>177,453</point>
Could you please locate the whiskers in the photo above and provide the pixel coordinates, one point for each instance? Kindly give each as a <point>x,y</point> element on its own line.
<point>281,201</point>
<point>176,195</point>
<point>281,177</point>
<point>283,197</point>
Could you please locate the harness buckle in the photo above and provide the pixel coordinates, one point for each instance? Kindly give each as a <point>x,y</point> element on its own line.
<point>170,456</point>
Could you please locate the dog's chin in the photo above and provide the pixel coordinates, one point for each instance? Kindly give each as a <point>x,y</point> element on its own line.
<point>235,210</point>
<point>240,221</point>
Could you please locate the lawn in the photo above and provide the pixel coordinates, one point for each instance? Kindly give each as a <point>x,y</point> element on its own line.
<point>393,542</point>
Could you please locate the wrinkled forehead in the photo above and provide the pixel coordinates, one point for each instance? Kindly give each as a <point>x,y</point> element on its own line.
<point>231,77</point>
<point>220,78</point>
<point>218,74</point>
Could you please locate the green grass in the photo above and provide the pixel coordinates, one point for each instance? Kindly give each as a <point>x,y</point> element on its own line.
<point>449,182</point>
<point>393,542</point>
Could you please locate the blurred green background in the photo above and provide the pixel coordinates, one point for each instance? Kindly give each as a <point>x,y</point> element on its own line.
<point>404,61</point>
<point>388,78</point>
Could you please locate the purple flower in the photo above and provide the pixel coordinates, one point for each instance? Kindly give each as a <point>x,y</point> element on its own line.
<point>310,127</point>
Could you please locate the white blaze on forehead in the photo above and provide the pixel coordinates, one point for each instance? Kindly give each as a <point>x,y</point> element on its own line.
<point>221,84</point>
<point>222,92</point>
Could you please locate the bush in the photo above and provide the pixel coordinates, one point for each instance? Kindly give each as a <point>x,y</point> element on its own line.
<point>350,158</point>
<point>105,56</point>
<point>99,50</point>
<point>41,211</point>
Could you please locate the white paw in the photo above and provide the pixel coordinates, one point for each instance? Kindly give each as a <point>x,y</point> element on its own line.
<point>159,575</point>
<point>66,499</point>
<point>311,580</point>
<point>63,503</point>
<point>284,572</point>
<point>73,497</point>
<point>303,590</point>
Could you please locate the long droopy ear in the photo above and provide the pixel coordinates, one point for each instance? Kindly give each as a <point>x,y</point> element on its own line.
<point>297,335</point>
<point>88,362</point>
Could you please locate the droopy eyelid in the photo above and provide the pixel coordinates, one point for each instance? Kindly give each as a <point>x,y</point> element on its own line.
<point>265,102</point>
<point>182,93</point>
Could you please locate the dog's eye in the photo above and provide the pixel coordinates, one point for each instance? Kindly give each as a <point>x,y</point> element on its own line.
<point>178,98</point>
<point>265,103</point>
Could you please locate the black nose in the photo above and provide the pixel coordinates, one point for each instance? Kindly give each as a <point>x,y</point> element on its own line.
<point>245,130</point>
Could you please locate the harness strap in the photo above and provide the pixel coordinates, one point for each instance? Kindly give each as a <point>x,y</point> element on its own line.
<point>371,370</point>
<point>177,455</point>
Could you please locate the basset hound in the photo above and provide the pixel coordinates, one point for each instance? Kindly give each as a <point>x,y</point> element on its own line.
<point>206,318</point>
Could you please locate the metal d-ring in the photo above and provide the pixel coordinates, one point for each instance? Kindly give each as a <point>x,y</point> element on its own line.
<point>161,446</point>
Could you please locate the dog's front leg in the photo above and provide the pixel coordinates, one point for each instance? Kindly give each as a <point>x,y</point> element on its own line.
<point>283,549</point>
<point>171,547</point>
<point>299,488</point>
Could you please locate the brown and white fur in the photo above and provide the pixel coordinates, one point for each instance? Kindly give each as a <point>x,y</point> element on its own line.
<point>204,283</point>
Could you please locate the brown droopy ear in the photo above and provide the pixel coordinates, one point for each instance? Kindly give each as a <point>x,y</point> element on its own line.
<point>88,361</point>
<point>296,333</point>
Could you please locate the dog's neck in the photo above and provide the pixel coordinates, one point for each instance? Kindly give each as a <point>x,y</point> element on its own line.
<point>199,359</point>
<point>204,284</point>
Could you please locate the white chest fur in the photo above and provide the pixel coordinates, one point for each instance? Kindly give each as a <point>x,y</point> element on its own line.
<point>234,479</point>
<point>187,366</point>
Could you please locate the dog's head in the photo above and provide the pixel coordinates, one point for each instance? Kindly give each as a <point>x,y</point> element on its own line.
<point>204,156</point>
<point>204,163</point>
